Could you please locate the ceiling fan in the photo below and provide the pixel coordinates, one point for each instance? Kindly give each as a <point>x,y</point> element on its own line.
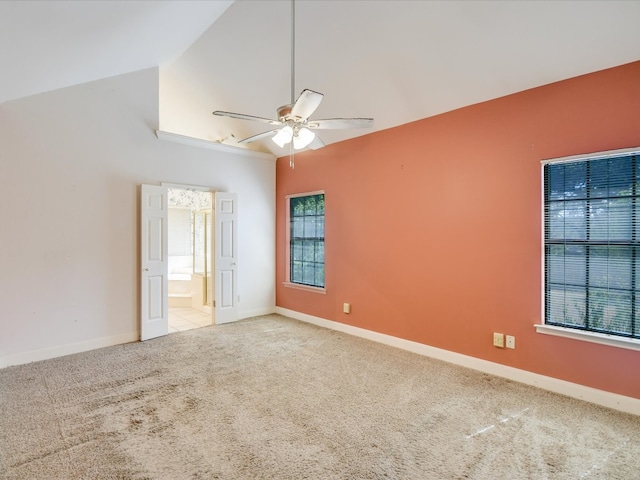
<point>293,125</point>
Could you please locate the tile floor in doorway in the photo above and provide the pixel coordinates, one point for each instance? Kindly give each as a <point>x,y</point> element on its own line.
<point>185,318</point>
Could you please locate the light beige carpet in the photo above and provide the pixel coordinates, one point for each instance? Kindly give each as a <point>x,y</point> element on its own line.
<point>272,398</point>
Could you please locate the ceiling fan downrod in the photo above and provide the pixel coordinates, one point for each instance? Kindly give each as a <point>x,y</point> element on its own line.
<point>293,50</point>
<point>293,126</point>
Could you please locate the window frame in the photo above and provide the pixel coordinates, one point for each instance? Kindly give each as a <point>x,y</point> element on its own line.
<point>288,283</point>
<point>568,332</point>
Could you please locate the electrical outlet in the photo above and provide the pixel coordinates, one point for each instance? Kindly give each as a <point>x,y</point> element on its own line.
<point>510,341</point>
<point>346,307</point>
<point>498,340</point>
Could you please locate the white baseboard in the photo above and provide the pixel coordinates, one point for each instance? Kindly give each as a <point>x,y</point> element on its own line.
<point>61,350</point>
<point>574,390</point>
<point>256,312</point>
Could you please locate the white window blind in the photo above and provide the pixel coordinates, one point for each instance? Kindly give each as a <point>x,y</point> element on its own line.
<point>591,244</point>
<point>306,240</point>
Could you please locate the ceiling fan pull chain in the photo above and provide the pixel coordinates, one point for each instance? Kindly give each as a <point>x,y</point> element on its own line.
<point>291,162</point>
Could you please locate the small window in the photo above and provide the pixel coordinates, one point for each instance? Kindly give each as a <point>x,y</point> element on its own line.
<point>306,239</point>
<point>592,244</point>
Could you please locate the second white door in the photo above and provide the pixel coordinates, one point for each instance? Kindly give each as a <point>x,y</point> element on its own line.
<point>226,257</point>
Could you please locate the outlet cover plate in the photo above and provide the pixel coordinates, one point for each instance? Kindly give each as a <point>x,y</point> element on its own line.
<point>498,340</point>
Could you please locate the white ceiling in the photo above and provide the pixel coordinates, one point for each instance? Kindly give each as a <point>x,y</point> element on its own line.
<point>46,45</point>
<point>397,61</point>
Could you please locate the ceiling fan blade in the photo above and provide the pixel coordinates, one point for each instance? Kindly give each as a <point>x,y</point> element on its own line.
<point>259,136</point>
<point>316,143</point>
<point>338,123</point>
<point>242,116</point>
<point>306,104</point>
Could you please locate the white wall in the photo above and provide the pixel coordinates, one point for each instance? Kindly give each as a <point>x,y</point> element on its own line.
<point>71,162</point>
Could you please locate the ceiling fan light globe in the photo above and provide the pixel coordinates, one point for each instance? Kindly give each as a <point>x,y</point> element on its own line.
<point>303,138</point>
<point>283,137</point>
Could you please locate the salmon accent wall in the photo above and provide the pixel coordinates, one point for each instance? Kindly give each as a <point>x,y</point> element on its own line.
<point>433,229</point>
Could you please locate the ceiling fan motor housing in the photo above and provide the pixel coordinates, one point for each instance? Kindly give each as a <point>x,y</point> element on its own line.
<point>284,112</point>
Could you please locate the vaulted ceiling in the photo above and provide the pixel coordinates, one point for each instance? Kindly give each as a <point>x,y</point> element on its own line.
<point>46,45</point>
<point>397,61</point>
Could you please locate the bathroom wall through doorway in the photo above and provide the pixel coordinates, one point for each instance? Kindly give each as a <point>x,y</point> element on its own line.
<point>190,279</point>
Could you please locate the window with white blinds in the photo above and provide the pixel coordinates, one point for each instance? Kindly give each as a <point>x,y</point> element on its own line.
<point>592,244</point>
<point>306,239</point>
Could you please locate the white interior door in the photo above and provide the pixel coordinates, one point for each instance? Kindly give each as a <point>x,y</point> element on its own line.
<point>154,309</point>
<point>226,257</point>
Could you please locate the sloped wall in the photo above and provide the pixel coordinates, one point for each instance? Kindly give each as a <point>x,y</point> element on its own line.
<point>433,229</point>
<point>71,162</point>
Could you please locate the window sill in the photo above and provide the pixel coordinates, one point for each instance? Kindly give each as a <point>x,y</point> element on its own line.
<point>601,338</point>
<point>307,288</point>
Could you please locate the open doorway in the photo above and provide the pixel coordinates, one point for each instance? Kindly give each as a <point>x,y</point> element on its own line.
<point>216,286</point>
<point>190,279</point>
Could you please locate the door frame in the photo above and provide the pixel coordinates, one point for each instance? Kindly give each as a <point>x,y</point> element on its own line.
<point>212,191</point>
<point>166,186</point>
